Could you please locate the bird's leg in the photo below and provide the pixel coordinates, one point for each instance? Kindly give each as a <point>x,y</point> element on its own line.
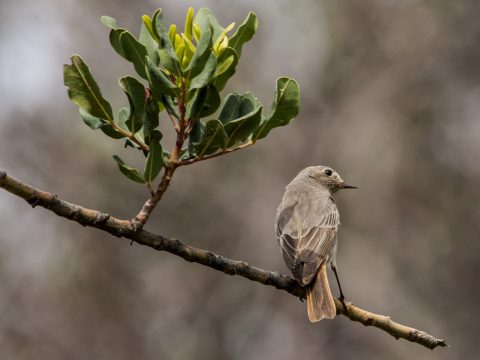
<point>342,297</point>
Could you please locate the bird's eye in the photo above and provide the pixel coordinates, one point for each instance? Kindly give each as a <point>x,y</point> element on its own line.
<point>328,172</point>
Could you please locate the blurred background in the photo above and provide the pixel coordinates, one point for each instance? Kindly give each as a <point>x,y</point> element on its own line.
<point>390,99</point>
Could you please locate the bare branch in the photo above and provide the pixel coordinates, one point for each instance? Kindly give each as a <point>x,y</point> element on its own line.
<point>122,228</point>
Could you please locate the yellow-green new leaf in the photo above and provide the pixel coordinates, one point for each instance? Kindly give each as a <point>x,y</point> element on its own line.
<point>188,23</point>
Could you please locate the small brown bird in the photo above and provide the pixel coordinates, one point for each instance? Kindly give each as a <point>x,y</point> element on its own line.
<point>306,228</point>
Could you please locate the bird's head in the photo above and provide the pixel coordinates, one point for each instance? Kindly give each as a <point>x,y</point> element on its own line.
<point>327,177</point>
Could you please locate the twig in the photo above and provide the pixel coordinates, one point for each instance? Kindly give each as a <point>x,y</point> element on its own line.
<point>141,218</point>
<point>226,151</point>
<point>131,136</point>
<point>121,228</point>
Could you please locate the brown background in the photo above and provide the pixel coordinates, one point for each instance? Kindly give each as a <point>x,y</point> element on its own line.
<point>390,99</point>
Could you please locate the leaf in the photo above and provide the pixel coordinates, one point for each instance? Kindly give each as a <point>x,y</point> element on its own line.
<point>224,66</point>
<point>240,116</point>
<point>154,160</point>
<point>147,40</point>
<point>204,18</point>
<point>160,31</point>
<point>188,23</point>
<point>128,171</point>
<point>84,91</point>
<point>93,122</point>
<point>109,22</point>
<point>196,103</point>
<point>168,62</point>
<point>213,137</point>
<point>123,116</point>
<point>160,83</point>
<point>242,128</point>
<point>97,123</point>
<point>169,106</point>
<point>135,92</point>
<point>211,103</point>
<point>244,33</point>
<point>148,25</point>
<point>222,78</point>
<point>202,53</point>
<point>285,107</point>
<point>206,75</point>
<point>150,117</point>
<point>135,52</point>
<point>114,37</point>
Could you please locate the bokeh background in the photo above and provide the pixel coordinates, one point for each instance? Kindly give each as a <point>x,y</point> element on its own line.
<point>390,98</point>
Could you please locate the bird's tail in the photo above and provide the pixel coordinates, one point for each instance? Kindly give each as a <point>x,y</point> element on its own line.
<point>320,302</point>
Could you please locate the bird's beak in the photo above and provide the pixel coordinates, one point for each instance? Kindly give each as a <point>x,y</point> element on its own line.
<point>345,186</point>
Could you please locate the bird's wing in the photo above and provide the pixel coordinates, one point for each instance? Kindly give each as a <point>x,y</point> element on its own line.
<point>306,229</point>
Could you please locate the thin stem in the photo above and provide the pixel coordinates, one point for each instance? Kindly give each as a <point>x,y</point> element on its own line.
<point>226,151</point>
<point>131,136</point>
<point>175,124</point>
<point>141,218</point>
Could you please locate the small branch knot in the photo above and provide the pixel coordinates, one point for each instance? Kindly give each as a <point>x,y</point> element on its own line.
<point>33,201</point>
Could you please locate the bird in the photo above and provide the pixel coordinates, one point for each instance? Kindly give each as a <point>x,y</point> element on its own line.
<point>306,226</point>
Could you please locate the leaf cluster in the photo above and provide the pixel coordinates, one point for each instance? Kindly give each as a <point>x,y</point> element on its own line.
<point>181,74</point>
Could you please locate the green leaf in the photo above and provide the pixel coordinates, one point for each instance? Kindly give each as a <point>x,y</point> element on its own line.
<point>93,122</point>
<point>203,78</point>
<point>128,171</point>
<point>114,35</point>
<point>244,33</point>
<point>222,78</point>
<point>196,103</point>
<point>109,22</point>
<point>150,117</point>
<point>169,106</point>
<point>161,32</point>
<point>204,18</point>
<point>135,52</point>
<point>116,43</point>
<point>211,103</point>
<point>84,91</point>
<point>154,160</point>
<point>240,116</point>
<point>123,116</point>
<point>224,66</point>
<point>159,82</point>
<point>285,107</point>
<point>213,137</point>
<point>202,53</point>
<point>169,62</point>
<point>97,123</point>
<point>149,42</point>
<point>135,92</point>
<point>203,102</point>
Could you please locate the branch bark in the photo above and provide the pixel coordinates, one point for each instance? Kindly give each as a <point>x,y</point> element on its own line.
<point>122,228</point>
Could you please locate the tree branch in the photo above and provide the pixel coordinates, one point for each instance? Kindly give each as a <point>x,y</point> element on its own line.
<point>206,157</point>
<point>122,228</point>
